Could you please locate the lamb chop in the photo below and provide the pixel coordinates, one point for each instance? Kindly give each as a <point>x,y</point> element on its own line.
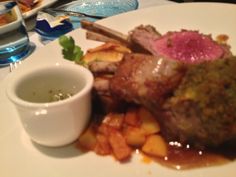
<point>202,110</point>
<point>185,45</point>
<point>151,81</point>
<point>182,84</point>
<point>194,104</point>
<point>140,77</point>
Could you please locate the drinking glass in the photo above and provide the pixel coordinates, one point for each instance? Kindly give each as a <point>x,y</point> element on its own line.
<point>14,40</point>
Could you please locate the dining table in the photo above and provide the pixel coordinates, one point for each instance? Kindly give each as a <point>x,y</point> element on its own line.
<point>35,38</point>
<point>22,157</point>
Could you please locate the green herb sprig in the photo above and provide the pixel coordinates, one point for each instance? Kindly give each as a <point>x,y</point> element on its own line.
<point>71,51</point>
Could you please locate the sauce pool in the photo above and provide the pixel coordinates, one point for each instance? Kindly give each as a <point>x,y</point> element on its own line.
<point>181,158</point>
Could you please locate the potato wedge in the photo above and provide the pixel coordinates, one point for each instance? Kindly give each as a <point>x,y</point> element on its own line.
<point>155,145</point>
<point>119,146</point>
<point>112,52</point>
<point>148,122</point>
<point>132,118</point>
<point>104,129</point>
<point>110,46</point>
<point>134,136</point>
<point>110,55</point>
<point>87,139</point>
<point>114,120</point>
<point>102,146</point>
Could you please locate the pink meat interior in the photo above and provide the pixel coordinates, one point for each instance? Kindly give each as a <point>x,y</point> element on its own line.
<point>189,46</point>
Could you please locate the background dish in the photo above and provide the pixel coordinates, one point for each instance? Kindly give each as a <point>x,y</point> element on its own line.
<point>103,8</point>
<point>22,158</point>
<point>43,4</point>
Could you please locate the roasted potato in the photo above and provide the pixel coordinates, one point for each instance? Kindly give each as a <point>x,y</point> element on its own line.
<point>120,148</point>
<point>134,136</point>
<point>155,145</point>
<point>107,52</point>
<point>148,123</point>
<point>87,139</point>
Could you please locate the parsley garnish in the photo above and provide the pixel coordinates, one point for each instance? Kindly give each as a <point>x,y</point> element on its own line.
<point>71,51</point>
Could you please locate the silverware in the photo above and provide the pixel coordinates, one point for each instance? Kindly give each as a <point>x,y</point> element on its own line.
<point>14,65</point>
<point>54,12</point>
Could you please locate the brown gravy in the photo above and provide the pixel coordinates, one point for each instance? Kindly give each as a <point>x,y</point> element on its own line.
<point>181,158</point>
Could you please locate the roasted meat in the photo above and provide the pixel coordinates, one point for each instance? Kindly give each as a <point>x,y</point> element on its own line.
<point>185,45</point>
<point>103,67</point>
<point>188,83</point>
<point>146,33</point>
<point>202,110</point>
<point>194,103</point>
<point>186,79</point>
<point>146,79</point>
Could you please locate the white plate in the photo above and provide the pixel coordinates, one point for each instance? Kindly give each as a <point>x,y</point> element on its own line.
<point>19,157</point>
<point>43,4</point>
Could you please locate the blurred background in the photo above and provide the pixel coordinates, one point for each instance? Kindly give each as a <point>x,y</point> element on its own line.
<point>225,1</point>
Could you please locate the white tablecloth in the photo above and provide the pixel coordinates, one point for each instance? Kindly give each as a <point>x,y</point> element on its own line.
<point>35,38</point>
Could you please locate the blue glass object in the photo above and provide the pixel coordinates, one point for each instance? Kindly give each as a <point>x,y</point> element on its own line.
<point>44,29</point>
<point>14,43</point>
<point>104,8</point>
